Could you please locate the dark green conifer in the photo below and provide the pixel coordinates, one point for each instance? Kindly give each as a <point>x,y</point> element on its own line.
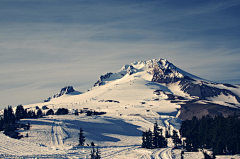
<point>81,138</point>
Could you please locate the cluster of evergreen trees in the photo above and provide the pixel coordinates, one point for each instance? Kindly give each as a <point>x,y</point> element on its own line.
<point>7,121</point>
<point>219,133</point>
<point>153,139</point>
<point>61,111</point>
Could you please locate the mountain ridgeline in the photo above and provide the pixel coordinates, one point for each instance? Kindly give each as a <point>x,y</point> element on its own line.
<point>201,92</point>
<point>194,95</point>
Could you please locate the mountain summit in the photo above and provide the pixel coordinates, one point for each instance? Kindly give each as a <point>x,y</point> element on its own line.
<point>158,83</point>
<point>214,98</point>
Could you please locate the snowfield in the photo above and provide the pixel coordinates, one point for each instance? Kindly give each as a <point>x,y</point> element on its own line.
<point>131,107</point>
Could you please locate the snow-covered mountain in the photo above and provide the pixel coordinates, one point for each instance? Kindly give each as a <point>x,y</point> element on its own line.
<point>199,96</point>
<point>133,98</point>
<point>159,79</point>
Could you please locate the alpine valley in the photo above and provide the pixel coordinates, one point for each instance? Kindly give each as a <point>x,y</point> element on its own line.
<point>130,101</point>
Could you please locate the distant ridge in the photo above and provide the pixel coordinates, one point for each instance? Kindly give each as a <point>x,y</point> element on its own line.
<point>64,90</point>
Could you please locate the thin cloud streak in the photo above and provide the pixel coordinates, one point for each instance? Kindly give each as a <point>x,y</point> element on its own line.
<point>46,45</point>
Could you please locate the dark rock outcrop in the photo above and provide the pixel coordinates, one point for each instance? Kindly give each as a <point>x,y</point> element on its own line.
<point>65,90</point>
<point>100,81</point>
<point>130,70</point>
<point>202,90</point>
<point>192,108</point>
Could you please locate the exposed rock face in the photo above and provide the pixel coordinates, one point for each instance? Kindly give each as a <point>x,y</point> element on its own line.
<point>130,70</point>
<point>191,108</point>
<point>100,81</point>
<point>202,90</point>
<point>165,72</point>
<point>65,90</point>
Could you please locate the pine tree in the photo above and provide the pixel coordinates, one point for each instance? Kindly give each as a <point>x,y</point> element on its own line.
<point>81,138</point>
<point>98,154</point>
<point>93,153</point>
<point>50,112</point>
<point>28,126</point>
<point>39,113</point>
<point>1,124</point>
<point>156,136</point>
<point>167,134</point>
<point>7,129</point>
<point>144,142</point>
<point>176,140</point>
<point>76,112</point>
<point>149,140</point>
<point>8,115</point>
<point>153,140</point>
<point>5,116</point>
<point>19,112</point>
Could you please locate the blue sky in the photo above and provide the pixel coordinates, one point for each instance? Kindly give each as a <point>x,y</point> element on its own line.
<point>46,45</point>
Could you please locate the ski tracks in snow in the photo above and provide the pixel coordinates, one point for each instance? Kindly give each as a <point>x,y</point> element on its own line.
<point>163,153</point>
<point>57,135</point>
<point>117,152</point>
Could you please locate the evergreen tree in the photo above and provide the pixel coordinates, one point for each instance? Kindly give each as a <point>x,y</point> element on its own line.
<point>153,140</point>
<point>98,153</point>
<point>219,133</point>
<point>11,115</point>
<point>20,112</point>
<point>144,142</point>
<point>93,151</point>
<point>28,126</point>
<point>149,140</point>
<point>76,112</point>
<point>1,124</point>
<point>39,113</point>
<point>81,138</point>
<point>50,112</point>
<point>5,115</point>
<point>31,114</point>
<point>61,111</point>
<point>8,115</point>
<point>167,134</point>
<point>7,129</point>
<point>156,136</point>
<point>176,140</point>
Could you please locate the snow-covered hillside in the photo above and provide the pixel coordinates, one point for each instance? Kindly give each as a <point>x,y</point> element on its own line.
<point>133,98</point>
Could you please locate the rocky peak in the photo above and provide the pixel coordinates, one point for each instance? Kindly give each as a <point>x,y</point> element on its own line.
<point>64,90</point>
<point>102,77</point>
<point>166,72</point>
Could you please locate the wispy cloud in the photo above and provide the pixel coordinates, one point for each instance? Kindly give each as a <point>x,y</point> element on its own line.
<point>46,45</point>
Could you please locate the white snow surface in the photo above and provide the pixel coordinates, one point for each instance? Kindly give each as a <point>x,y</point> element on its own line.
<point>118,133</point>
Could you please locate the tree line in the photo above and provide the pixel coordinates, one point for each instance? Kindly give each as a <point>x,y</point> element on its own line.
<point>155,139</point>
<point>220,134</point>
<point>7,120</point>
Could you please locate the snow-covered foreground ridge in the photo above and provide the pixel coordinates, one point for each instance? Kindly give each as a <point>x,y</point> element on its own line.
<point>133,98</point>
